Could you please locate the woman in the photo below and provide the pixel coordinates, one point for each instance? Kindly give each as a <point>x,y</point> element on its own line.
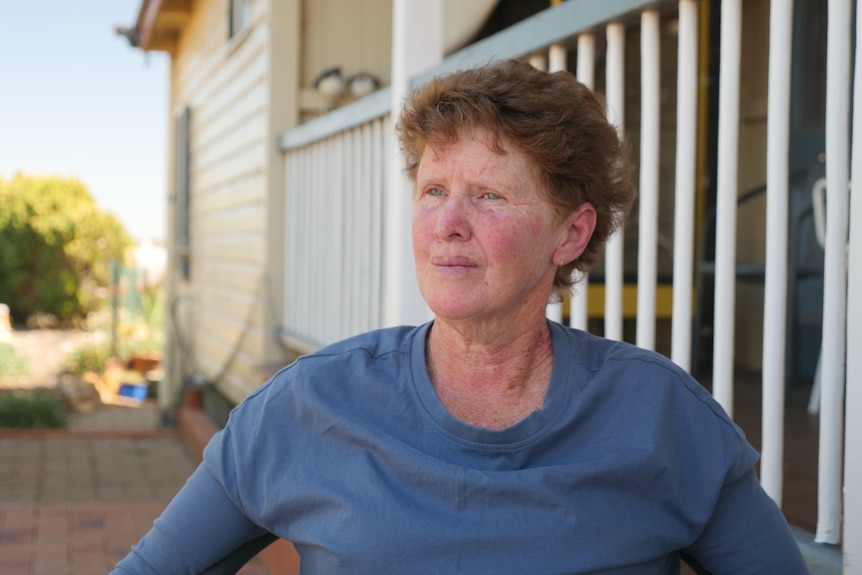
<point>489,440</point>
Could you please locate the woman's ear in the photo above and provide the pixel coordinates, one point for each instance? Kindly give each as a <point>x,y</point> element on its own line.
<point>576,231</point>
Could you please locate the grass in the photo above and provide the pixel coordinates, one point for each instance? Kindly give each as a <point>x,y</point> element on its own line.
<point>35,411</point>
<point>12,363</point>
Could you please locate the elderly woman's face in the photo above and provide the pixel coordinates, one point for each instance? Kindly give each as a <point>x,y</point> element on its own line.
<point>484,239</point>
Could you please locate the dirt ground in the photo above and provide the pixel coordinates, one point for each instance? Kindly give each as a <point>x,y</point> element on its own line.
<point>44,350</point>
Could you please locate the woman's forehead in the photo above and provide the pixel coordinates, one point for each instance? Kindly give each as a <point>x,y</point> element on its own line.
<point>495,143</point>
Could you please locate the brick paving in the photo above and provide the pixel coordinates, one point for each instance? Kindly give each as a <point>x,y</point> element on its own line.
<point>73,502</point>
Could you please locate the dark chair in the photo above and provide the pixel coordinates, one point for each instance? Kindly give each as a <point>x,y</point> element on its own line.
<point>234,560</point>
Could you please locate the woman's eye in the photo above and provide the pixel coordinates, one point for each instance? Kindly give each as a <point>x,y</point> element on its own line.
<point>492,196</point>
<point>434,192</point>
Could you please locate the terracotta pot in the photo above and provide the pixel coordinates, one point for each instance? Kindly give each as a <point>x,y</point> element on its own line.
<point>142,363</point>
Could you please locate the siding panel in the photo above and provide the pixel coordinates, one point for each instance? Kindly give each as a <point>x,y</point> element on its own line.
<point>226,85</point>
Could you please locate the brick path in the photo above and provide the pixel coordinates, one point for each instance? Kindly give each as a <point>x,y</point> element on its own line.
<point>73,502</point>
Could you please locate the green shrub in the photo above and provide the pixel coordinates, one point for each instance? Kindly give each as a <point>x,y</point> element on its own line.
<point>55,247</point>
<point>12,363</point>
<point>31,412</point>
<point>89,356</point>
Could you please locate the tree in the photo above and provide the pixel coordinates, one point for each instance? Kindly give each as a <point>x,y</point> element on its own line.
<point>55,247</point>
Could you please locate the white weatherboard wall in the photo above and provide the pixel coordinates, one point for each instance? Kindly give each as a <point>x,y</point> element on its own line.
<point>221,306</point>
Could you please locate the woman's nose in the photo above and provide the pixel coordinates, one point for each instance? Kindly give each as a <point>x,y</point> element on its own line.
<point>453,221</point>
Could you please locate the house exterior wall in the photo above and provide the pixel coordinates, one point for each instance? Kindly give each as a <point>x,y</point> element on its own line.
<point>239,100</point>
<point>243,92</point>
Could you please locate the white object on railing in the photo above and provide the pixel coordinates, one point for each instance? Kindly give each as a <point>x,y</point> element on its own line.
<point>417,44</point>
<point>616,38</point>
<point>775,289</point>
<point>585,73</point>
<point>686,165</point>
<point>829,473</point>
<point>818,204</point>
<point>852,544</point>
<point>649,168</point>
<point>725,240</point>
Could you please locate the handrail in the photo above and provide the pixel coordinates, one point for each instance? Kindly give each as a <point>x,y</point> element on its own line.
<point>339,120</point>
<point>534,34</point>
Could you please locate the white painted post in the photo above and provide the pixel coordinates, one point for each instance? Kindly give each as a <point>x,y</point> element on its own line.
<point>361,220</point>
<point>333,204</point>
<point>775,290</point>
<point>380,131</point>
<point>556,63</point>
<point>585,73</point>
<point>417,44</point>
<point>557,60</point>
<point>356,226</point>
<point>832,357</point>
<point>686,164</point>
<point>852,544</point>
<point>725,241</point>
<point>616,37</point>
<point>649,167</point>
<point>539,62</point>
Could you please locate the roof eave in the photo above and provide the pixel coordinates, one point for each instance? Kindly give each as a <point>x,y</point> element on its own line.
<point>160,23</point>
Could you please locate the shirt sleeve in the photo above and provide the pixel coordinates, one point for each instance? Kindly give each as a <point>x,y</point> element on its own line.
<point>199,527</point>
<point>747,533</point>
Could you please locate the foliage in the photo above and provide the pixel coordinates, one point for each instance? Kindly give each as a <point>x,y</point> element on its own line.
<point>89,356</point>
<point>12,363</point>
<point>143,333</point>
<point>55,247</point>
<point>31,412</point>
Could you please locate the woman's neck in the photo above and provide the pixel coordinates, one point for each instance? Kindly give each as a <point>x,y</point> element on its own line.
<point>492,383</point>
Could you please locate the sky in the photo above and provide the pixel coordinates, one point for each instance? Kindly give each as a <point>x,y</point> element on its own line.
<point>77,101</point>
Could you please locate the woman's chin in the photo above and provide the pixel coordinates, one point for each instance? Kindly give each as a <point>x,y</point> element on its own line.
<point>458,309</point>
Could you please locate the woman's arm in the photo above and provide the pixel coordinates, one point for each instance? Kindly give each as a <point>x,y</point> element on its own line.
<point>199,527</point>
<point>747,533</point>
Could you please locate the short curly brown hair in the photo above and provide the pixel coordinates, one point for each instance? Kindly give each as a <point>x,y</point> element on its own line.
<point>559,123</point>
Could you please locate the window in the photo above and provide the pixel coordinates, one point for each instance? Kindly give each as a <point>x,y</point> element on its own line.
<point>239,17</point>
<point>182,194</point>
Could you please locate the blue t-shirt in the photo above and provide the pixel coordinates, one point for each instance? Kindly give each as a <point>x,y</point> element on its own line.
<point>349,454</point>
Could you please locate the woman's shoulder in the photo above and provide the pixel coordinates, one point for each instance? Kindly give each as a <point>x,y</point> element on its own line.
<point>347,357</point>
<point>630,369</point>
<point>649,391</point>
<point>375,343</point>
<point>595,352</point>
